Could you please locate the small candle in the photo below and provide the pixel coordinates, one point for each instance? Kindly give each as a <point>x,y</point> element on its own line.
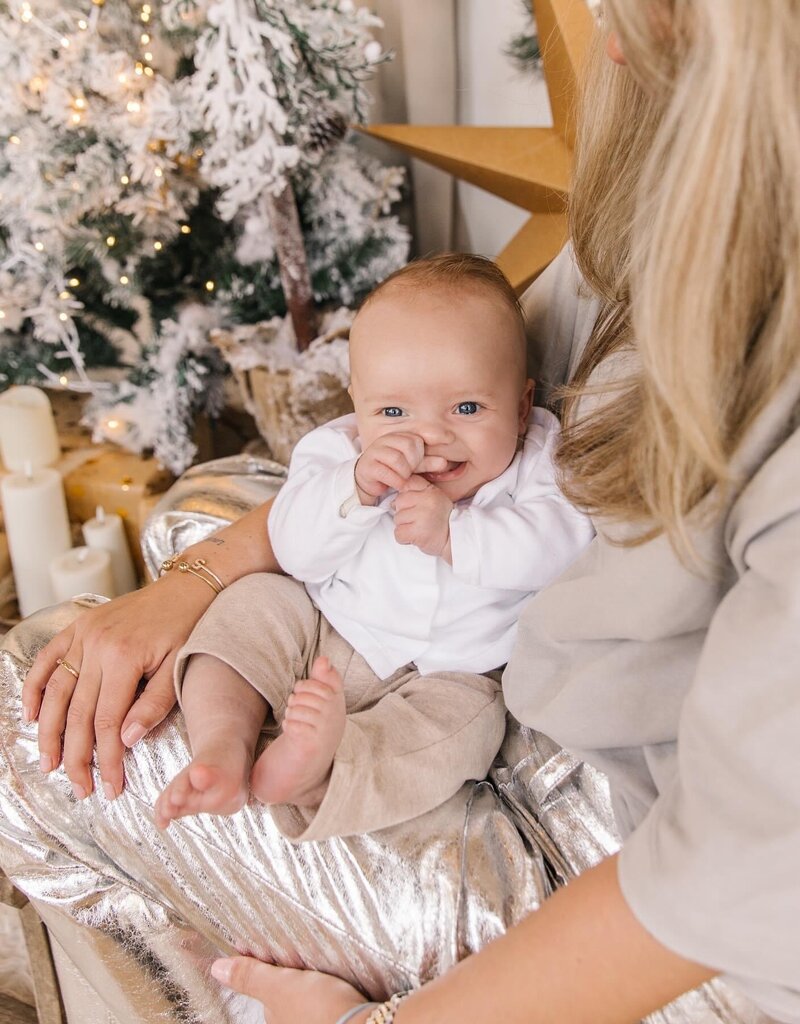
<point>37,527</point>
<point>27,429</point>
<point>81,571</point>
<point>106,532</point>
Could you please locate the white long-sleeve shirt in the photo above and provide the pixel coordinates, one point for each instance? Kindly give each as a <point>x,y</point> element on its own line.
<point>393,603</point>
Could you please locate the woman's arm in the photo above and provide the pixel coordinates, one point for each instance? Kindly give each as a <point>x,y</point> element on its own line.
<point>582,957</point>
<point>116,645</point>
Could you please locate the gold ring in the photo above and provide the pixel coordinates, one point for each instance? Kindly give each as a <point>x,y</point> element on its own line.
<point>65,664</point>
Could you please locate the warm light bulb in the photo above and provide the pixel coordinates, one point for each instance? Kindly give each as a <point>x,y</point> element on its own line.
<point>73,282</point>
<point>140,69</point>
<point>83,25</point>
<point>65,42</point>
<point>124,279</point>
<point>26,13</point>
<point>76,118</point>
<point>145,17</point>
<point>158,172</point>
<point>125,179</point>
<point>146,8</point>
<point>158,246</point>
<point>111,241</point>
<point>134,107</point>
<point>37,84</point>
<point>63,317</point>
<point>185,229</point>
<point>112,424</point>
<point>63,295</point>
<point>63,381</point>
<point>14,140</point>
<point>145,38</point>
<point>122,78</point>
<point>38,247</point>
<point>2,314</point>
<point>149,72</point>
<point>210,286</point>
<point>148,56</point>
<point>79,102</point>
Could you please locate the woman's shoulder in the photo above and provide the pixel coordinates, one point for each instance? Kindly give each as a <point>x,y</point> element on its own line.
<point>560,312</point>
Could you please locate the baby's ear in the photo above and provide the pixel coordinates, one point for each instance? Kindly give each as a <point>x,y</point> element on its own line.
<point>525,404</point>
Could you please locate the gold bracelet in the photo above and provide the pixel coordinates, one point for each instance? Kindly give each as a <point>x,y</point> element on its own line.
<point>196,568</point>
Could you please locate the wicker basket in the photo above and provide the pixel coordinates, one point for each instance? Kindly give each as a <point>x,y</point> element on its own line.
<point>286,403</point>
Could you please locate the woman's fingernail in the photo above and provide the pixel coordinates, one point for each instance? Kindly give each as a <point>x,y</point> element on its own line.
<point>133,734</point>
<point>222,971</point>
<point>45,763</point>
<point>27,713</point>
<point>110,791</point>
<point>78,791</point>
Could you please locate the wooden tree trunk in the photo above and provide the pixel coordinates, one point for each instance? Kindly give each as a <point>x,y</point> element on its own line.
<point>293,264</point>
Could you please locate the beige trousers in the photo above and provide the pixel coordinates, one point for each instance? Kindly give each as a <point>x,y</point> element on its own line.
<point>410,741</point>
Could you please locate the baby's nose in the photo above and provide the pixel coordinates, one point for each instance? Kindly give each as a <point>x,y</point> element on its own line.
<point>435,432</point>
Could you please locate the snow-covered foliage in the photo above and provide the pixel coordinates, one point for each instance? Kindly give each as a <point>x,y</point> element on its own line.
<point>137,142</point>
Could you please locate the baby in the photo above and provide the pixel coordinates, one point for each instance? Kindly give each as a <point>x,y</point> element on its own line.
<point>413,530</point>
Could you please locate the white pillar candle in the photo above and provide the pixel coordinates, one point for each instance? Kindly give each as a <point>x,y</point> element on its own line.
<point>37,526</point>
<point>27,429</point>
<point>106,532</point>
<point>82,571</point>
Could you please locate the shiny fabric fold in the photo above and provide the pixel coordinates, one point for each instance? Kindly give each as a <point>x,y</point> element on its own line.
<point>142,913</point>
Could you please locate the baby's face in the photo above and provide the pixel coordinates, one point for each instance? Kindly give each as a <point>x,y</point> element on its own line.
<point>448,366</point>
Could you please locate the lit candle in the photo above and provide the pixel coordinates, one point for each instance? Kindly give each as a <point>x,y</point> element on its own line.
<point>37,527</point>
<point>81,571</point>
<point>27,429</point>
<point>107,532</point>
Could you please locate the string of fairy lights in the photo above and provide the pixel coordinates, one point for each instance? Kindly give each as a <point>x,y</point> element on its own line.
<point>137,78</point>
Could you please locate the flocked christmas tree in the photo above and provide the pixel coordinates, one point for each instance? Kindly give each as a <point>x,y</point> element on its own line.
<point>171,168</point>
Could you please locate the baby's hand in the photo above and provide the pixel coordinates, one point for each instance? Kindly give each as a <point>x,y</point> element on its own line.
<point>389,462</point>
<point>422,517</point>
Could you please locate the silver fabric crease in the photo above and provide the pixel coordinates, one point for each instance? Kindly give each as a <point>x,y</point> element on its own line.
<point>142,913</point>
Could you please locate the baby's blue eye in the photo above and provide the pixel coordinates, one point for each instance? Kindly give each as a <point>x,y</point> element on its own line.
<point>392,411</point>
<point>467,408</point>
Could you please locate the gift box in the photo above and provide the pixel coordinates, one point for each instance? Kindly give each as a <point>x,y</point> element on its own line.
<point>120,481</point>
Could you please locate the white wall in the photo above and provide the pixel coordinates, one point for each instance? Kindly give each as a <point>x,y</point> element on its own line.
<point>492,91</point>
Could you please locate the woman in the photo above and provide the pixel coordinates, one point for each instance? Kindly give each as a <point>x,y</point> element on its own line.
<point>667,654</point>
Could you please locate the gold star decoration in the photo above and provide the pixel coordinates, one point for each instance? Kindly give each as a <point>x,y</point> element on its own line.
<point>529,167</point>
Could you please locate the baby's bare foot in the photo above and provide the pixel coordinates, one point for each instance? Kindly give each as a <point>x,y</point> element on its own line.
<point>295,768</point>
<point>214,783</point>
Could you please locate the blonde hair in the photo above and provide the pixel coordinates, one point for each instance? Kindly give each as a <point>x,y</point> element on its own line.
<point>685,218</point>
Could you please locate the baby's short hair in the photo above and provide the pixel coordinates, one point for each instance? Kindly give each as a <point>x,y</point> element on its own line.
<point>457,270</point>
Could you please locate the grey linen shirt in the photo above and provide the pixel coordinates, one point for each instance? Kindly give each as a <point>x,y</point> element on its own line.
<point>685,690</point>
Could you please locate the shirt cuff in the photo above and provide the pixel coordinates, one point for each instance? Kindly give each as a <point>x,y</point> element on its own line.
<point>347,502</point>
<point>464,547</point>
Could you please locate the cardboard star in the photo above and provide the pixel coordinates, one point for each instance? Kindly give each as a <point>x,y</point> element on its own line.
<point>529,167</point>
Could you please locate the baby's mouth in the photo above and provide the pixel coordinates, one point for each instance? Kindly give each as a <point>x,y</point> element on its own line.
<point>453,472</point>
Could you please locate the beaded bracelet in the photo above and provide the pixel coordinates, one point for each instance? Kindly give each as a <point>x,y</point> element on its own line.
<point>197,568</point>
<point>384,1014</point>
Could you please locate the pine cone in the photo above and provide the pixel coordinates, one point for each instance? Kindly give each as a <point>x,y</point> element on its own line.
<point>324,129</point>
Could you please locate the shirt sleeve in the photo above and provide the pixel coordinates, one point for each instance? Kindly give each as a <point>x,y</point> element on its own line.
<point>317,521</point>
<point>713,871</point>
<point>524,545</point>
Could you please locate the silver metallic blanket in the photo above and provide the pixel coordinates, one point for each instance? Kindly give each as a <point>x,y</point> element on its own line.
<point>142,913</point>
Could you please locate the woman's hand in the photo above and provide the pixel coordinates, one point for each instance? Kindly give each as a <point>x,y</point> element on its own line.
<point>112,648</point>
<point>289,996</point>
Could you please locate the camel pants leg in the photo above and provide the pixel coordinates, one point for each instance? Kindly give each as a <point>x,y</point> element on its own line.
<point>410,741</point>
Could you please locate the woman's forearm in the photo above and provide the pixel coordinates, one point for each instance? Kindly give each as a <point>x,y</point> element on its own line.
<point>239,549</point>
<point>582,957</point>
